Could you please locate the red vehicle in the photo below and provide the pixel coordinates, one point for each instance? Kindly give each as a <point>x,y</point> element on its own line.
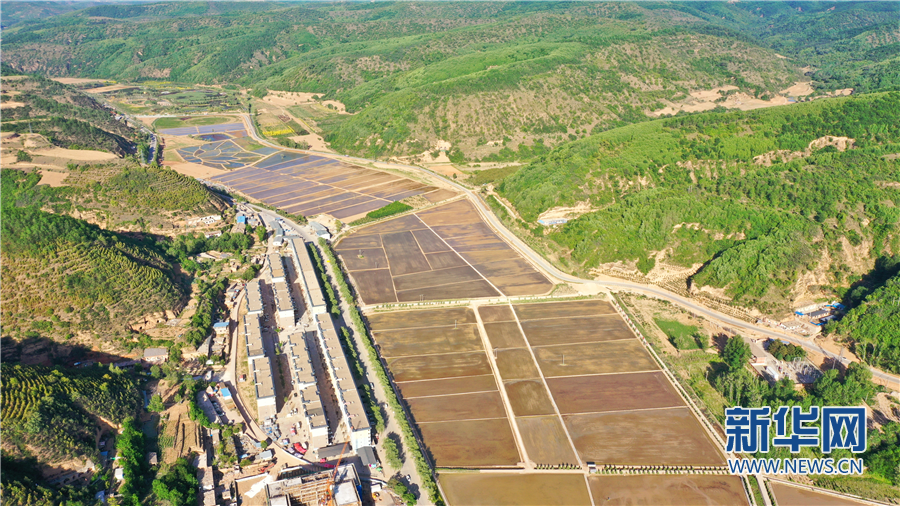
<point>299,448</point>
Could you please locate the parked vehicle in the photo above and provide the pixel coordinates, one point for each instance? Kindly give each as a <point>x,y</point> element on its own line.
<point>300,449</point>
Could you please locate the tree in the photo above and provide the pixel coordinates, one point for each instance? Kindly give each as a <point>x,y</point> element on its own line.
<point>401,489</point>
<point>261,233</point>
<point>156,404</point>
<point>391,452</point>
<point>156,372</point>
<point>736,353</point>
<point>178,486</point>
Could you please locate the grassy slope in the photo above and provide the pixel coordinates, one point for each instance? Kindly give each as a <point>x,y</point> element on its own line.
<point>759,227</point>
<point>472,73</point>
<point>467,73</point>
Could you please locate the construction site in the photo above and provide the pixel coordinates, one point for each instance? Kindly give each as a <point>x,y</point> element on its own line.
<point>295,486</point>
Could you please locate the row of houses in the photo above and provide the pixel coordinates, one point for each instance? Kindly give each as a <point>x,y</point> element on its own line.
<point>300,351</point>
<point>353,415</point>
<point>354,422</point>
<point>259,364</point>
<point>306,274</point>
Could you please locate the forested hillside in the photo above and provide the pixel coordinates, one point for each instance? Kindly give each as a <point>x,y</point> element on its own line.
<point>496,80</point>
<point>751,202</point>
<point>124,196</point>
<point>872,325</point>
<point>65,116</point>
<point>50,411</point>
<point>70,276</point>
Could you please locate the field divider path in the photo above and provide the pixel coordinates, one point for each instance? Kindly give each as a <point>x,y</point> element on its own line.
<point>463,420</point>
<point>603,373</point>
<point>507,406</point>
<point>388,262</point>
<point>552,401</point>
<point>635,410</point>
<point>449,395</point>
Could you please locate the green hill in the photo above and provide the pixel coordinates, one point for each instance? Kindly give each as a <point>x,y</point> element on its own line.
<point>872,325</point>
<point>751,201</point>
<point>52,411</point>
<point>65,116</point>
<point>71,276</point>
<point>125,195</point>
<point>521,77</point>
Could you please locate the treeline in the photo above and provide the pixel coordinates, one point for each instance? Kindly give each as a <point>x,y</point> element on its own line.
<point>409,440</point>
<point>873,327</point>
<point>388,210</point>
<point>854,387</point>
<point>208,304</point>
<point>72,134</point>
<point>66,117</point>
<point>189,244</point>
<point>158,188</point>
<point>20,486</point>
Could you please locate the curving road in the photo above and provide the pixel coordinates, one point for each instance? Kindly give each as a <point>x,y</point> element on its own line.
<point>543,264</point>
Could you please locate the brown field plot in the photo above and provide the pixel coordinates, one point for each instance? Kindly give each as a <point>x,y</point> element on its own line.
<point>528,398</point>
<point>450,365</point>
<point>613,392</point>
<point>594,358</point>
<point>497,489</point>
<point>563,309</point>
<point>646,437</point>
<point>457,407</point>
<point>471,443</point>
<point>663,490</point>
<point>425,318</point>
<point>491,314</point>
<point>516,363</point>
<point>614,404</point>
<point>787,495</point>
<point>438,361</point>
<point>428,341</point>
<point>412,389</point>
<point>442,253</point>
<point>504,335</point>
<point>545,440</point>
<point>584,329</point>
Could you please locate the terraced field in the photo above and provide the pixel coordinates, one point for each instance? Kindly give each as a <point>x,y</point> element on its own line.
<point>298,183</point>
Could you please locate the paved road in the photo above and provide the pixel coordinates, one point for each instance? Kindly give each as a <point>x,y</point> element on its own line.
<point>652,291</point>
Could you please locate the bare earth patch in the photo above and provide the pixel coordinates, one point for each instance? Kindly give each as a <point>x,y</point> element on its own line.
<point>53,178</point>
<point>195,169</point>
<point>447,170</point>
<point>705,100</point>
<point>77,80</point>
<point>11,105</point>
<point>82,155</point>
<point>108,89</point>
<point>567,212</point>
<point>316,142</point>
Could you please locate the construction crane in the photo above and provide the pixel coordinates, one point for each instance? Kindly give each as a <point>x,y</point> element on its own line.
<point>334,475</point>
